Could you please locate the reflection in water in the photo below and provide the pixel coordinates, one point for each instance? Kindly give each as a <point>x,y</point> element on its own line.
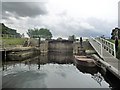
<point>94,71</point>
<point>60,58</point>
<point>54,70</point>
<point>85,69</point>
<point>114,83</point>
<point>98,78</point>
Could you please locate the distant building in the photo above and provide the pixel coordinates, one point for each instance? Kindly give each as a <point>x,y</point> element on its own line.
<point>71,38</point>
<point>59,38</point>
<point>115,33</point>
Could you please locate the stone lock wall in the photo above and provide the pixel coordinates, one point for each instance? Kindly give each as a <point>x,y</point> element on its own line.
<point>44,46</point>
<point>60,46</point>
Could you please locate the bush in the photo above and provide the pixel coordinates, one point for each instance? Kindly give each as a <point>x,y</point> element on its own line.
<point>118,53</point>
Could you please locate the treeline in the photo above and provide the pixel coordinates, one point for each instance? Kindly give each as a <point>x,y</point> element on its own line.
<point>115,33</point>
<point>8,32</point>
<point>42,32</point>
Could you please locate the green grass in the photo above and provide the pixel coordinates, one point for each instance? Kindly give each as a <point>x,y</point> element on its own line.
<point>12,41</point>
<point>113,41</point>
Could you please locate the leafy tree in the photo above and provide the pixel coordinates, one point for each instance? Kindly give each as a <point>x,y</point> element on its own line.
<point>8,31</point>
<point>115,32</point>
<point>43,33</point>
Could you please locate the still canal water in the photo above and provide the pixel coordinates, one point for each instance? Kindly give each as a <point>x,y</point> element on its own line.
<point>54,70</point>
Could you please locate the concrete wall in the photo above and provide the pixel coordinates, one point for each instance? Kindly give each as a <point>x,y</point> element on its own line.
<point>60,46</point>
<point>21,53</point>
<point>44,46</point>
<point>86,46</point>
<point>60,57</point>
<point>76,46</point>
<point>63,46</point>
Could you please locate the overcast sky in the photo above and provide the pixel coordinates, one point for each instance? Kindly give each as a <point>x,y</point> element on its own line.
<point>62,17</point>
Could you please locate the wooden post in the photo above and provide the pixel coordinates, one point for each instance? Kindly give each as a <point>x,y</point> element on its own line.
<point>39,41</point>
<point>81,45</point>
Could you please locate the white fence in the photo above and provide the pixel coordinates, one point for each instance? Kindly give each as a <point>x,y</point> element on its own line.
<point>99,44</point>
<point>108,46</point>
<point>96,45</point>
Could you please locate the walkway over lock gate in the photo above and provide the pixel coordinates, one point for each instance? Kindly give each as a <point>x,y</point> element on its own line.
<point>106,51</point>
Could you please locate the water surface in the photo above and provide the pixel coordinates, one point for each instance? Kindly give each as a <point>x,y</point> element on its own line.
<point>51,71</point>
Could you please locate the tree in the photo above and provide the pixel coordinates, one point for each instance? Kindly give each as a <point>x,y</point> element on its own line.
<point>8,31</point>
<point>115,33</point>
<point>36,33</point>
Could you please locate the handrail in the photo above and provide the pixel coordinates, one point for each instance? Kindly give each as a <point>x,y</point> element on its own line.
<point>107,41</point>
<point>96,40</point>
<point>109,46</point>
<point>100,52</point>
<point>103,44</point>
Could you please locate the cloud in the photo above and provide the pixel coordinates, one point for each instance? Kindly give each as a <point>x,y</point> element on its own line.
<point>24,15</point>
<point>23,9</point>
<point>102,26</point>
<point>64,26</point>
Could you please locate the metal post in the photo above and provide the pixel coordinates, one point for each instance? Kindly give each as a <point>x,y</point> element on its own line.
<point>101,45</point>
<point>114,51</point>
<point>101,50</point>
<point>81,45</point>
<point>39,42</point>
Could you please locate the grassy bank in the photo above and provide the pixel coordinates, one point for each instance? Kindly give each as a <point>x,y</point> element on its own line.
<point>12,41</point>
<point>113,41</point>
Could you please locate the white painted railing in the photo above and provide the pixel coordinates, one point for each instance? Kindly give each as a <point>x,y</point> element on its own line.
<point>108,46</point>
<point>97,45</point>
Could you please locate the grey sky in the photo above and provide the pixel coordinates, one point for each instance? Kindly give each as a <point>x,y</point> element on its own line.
<point>63,17</point>
<point>23,9</point>
<point>119,14</point>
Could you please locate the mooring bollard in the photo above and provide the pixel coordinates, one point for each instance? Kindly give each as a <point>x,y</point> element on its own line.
<point>81,42</point>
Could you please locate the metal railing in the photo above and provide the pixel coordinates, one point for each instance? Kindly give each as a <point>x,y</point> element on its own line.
<point>108,46</point>
<point>100,43</point>
<point>97,45</point>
